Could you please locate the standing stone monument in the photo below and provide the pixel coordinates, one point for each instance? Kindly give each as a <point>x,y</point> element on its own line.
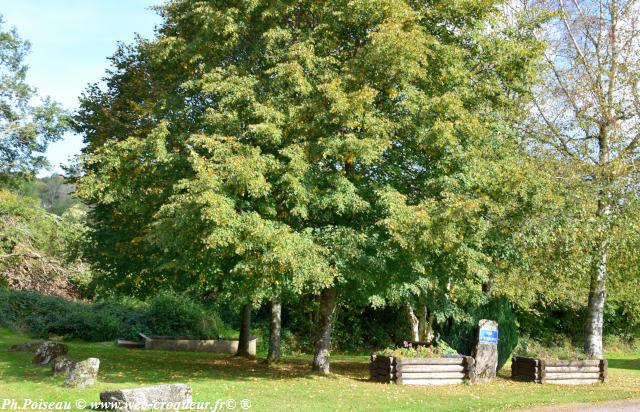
<point>83,374</point>
<point>486,351</point>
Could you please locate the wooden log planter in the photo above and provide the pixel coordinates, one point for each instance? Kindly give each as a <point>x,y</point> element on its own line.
<point>421,371</point>
<point>559,372</point>
<point>382,369</point>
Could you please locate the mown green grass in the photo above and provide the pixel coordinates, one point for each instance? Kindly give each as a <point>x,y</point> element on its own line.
<point>290,386</point>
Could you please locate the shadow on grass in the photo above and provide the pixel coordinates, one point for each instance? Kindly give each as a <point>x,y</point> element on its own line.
<point>127,366</point>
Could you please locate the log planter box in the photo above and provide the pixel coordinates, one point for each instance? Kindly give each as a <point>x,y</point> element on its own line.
<point>422,371</point>
<point>195,345</point>
<point>559,372</point>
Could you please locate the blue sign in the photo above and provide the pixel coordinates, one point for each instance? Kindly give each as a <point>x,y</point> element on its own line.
<point>489,336</point>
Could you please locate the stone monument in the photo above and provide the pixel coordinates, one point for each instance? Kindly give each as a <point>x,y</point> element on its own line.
<point>83,374</point>
<point>486,351</point>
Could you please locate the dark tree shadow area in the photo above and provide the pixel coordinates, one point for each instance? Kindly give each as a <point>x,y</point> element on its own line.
<point>119,365</point>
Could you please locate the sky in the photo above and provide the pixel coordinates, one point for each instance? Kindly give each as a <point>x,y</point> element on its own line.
<point>70,42</point>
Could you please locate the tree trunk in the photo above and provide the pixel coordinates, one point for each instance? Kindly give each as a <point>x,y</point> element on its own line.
<point>325,325</point>
<point>422,322</point>
<point>597,295</point>
<point>595,311</point>
<point>487,286</point>
<point>275,328</point>
<point>429,335</point>
<point>421,313</point>
<point>245,331</point>
<point>415,324</point>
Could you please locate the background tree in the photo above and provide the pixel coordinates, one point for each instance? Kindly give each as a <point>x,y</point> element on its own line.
<point>587,125</point>
<point>25,129</point>
<point>121,124</point>
<point>117,179</point>
<point>458,184</point>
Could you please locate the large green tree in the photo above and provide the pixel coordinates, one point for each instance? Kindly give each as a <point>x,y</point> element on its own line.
<point>334,148</point>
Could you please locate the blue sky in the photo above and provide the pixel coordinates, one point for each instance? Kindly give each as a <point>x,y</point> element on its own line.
<point>70,43</point>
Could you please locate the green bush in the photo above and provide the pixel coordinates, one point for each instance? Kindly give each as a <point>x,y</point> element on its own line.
<point>173,314</point>
<point>564,350</point>
<point>356,328</point>
<point>166,314</point>
<point>462,333</point>
<point>551,324</point>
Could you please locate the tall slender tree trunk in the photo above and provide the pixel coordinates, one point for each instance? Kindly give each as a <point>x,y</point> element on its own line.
<point>430,334</point>
<point>426,325</point>
<point>597,287</point>
<point>595,309</point>
<point>422,321</point>
<point>414,322</point>
<point>275,329</point>
<point>321,359</point>
<point>245,331</point>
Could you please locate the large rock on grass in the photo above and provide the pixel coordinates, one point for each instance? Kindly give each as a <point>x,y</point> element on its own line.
<point>171,396</point>
<point>48,351</point>
<point>62,364</point>
<point>83,374</point>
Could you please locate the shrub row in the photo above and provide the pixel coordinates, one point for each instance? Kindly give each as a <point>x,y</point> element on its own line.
<point>462,334</point>
<point>166,314</point>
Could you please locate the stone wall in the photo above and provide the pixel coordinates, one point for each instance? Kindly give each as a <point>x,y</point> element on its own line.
<point>192,345</point>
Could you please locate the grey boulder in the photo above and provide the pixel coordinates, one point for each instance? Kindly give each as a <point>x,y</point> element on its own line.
<point>48,351</point>
<point>25,347</point>
<point>170,396</point>
<point>83,374</point>
<point>62,364</point>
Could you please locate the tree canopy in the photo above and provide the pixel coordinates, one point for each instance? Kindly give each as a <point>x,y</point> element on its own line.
<point>361,151</point>
<point>25,129</point>
<point>292,147</point>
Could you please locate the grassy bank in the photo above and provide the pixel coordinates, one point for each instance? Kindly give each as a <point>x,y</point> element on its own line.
<point>290,386</point>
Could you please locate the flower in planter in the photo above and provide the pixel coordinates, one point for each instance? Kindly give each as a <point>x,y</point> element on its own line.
<point>407,350</point>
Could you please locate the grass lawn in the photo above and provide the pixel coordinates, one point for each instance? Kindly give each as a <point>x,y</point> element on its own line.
<point>290,386</point>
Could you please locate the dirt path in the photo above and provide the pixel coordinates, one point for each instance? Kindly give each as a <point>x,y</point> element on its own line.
<point>610,406</point>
